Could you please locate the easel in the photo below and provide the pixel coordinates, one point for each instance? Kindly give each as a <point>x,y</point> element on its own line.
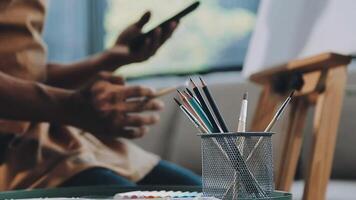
<point>320,81</point>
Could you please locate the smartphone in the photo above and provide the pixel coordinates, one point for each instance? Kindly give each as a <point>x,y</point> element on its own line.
<point>138,41</point>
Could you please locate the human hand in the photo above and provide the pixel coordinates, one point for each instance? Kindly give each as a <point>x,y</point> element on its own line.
<point>121,51</point>
<point>108,108</point>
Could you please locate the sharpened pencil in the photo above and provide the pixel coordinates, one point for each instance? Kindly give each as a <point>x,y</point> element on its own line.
<point>192,95</point>
<point>205,107</point>
<point>164,91</point>
<point>161,93</point>
<point>214,106</point>
<point>190,116</point>
<point>197,108</point>
<point>190,108</point>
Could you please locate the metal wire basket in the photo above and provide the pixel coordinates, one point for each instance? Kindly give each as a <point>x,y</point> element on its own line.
<point>237,165</point>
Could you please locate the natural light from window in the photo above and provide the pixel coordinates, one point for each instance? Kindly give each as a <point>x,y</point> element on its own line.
<point>215,35</point>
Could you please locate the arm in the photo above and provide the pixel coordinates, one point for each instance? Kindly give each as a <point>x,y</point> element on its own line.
<point>31,101</point>
<point>76,74</point>
<point>106,107</point>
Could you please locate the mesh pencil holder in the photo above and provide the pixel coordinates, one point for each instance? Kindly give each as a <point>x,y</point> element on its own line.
<point>237,165</point>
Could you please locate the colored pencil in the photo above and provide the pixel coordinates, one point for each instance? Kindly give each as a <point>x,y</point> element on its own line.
<point>190,116</point>
<point>190,108</point>
<point>214,106</point>
<point>205,107</point>
<point>199,111</point>
<point>192,95</point>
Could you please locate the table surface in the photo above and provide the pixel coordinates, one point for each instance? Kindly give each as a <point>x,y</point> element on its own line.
<point>89,191</point>
<point>105,192</point>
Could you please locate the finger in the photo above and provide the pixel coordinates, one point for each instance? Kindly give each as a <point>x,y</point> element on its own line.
<point>134,132</point>
<point>119,80</point>
<point>167,33</point>
<point>140,106</point>
<point>111,78</point>
<point>156,40</point>
<point>144,19</point>
<point>141,120</point>
<point>98,87</point>
<point>138,91</point>
<point>117,96</point>
<point>101,102</point>
<point>146,47</point>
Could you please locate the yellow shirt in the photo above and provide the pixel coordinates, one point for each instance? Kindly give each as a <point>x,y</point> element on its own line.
<point>47,154</point>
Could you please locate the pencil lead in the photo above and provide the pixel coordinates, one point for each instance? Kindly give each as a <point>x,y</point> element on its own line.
<point>245,96</point>
<point>186,94</point>
<point>179,104</point>
<point>190,92</point>
<point>180,95</point>
<point>191,80</point>
<point>291,94</point>
<point>202,81</point>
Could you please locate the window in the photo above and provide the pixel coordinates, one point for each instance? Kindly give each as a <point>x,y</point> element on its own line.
<point>212,37</point>
<point>74,29</point>
<point>66,30</point>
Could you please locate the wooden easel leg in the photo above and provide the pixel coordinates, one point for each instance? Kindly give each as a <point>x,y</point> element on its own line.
<point>326,121</point>
<point>265,108</point>
<point>292,144</point>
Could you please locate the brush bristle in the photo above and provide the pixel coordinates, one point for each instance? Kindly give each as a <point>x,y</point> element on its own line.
<point>245,96</point>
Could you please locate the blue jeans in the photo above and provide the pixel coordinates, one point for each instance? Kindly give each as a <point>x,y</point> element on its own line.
<point>165,173</point>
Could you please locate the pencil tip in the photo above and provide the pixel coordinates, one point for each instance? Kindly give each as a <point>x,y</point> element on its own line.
<point>191,80</point>
<point>179,104</point>
<point>245,96</point>
<point>202,81</point>
<point>291,94</point>
<point>186,94</point>
<point>179,92</point>
<point>189,92</point>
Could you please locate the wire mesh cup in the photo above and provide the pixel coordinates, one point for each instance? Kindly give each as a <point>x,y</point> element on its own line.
<point>237,165</point>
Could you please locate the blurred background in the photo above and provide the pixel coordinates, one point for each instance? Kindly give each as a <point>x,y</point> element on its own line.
<point>213,38</point>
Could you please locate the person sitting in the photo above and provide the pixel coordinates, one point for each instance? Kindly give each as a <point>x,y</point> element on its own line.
<point>70,124</point>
